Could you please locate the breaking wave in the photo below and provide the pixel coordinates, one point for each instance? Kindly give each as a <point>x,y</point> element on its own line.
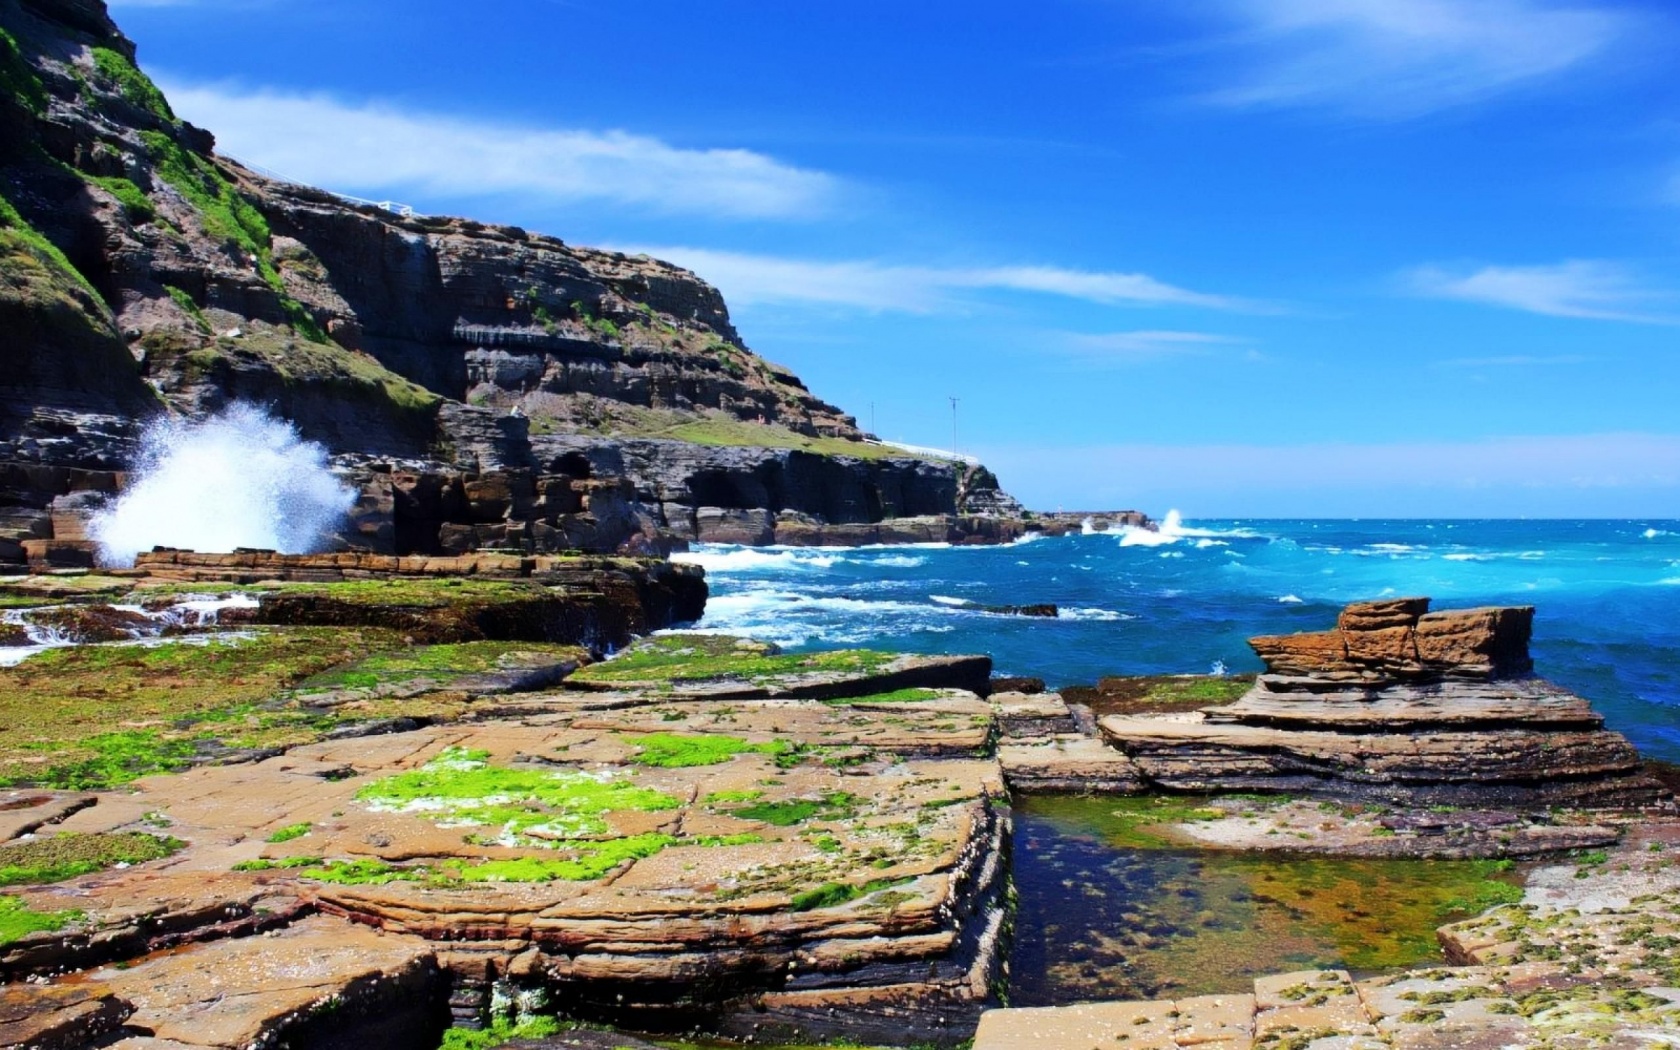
<point>240,478</point>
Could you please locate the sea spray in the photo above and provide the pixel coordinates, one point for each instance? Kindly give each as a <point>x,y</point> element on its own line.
<point>240,478</point>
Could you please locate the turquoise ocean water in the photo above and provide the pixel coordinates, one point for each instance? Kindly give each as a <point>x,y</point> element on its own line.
<point>1185,599</point>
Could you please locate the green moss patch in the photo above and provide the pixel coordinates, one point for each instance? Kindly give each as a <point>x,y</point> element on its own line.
<point>18,921</point>
<point>439,663</point>
<point>833,894</point>
<point>679,750</point>
<point>525,806</point>
<point>500,1031</point>
<point>591,861</point>
<point>913,695</point>
<point>57,709</point>
<point>66,856</point>
<point>837,805</point>
<point>698,657</point>
<point>290,832</point>
<point>38,269</point>
<point>1158,694</point>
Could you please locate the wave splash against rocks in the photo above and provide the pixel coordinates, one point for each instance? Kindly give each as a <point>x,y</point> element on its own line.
<point>240,478</point>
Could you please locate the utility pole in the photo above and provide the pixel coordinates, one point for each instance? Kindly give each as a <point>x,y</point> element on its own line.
<point>954,425</point>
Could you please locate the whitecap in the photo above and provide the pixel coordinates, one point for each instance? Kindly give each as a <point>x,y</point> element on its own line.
<point>1290,599</point>
<point>945,599</point>
<point>1103,615</point>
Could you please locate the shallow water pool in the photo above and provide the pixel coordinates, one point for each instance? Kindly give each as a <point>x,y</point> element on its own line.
<point>1110,909</point>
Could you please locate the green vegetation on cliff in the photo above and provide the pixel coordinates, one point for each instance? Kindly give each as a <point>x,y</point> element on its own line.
<point>35,268</point>
<point>139,207</point>
<point>136,87</point>
<point>18,80</point>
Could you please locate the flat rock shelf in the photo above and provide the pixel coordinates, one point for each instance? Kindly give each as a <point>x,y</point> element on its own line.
<point>363,839</point>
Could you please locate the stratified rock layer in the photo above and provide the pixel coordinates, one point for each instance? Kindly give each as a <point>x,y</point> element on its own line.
<point>1397,703</point>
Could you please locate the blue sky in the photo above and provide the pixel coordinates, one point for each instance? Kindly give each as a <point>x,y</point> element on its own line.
<point>1239,257</point>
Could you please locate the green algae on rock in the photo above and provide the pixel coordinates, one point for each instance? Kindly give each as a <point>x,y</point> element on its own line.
<point>18,920</point>
<point>678,750</point>
<point>188,694</point>
<point>67,855</point>
<point>531,806</point>
<point>697,657</point>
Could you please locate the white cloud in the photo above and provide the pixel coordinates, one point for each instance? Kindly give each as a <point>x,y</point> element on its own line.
<point>378,150</point>
<point>1393,59</point>
<point>1581,288</point>
<point>871,285</point>
<point>1617,474</point>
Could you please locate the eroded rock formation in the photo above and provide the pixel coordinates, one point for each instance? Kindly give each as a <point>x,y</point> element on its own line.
<point>1396,703</point>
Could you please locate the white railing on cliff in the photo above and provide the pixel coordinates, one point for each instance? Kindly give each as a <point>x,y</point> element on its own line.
<point>922,450</point>
<point>394,207</point>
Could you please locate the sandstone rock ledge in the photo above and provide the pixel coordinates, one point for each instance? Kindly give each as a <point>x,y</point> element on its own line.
<point>767,868</point>
<point>1397,704</point>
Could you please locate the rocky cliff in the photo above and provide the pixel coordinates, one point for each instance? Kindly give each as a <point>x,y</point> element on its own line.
<point>142,273</point>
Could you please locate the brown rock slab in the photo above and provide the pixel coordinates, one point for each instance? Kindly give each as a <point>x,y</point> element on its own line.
<point>57,1017</point>
<point>1083,1026</point>
<point>250,991</point>
<point>1068,763</point>
<point>25,811</point>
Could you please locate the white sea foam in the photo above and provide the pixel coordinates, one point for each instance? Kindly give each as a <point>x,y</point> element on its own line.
<point>1103,615</point>
<point>945,599</point>
<point>898,561</point>
<point>1290,599</point>
<point>1172,529</point>
<point>240,478</point>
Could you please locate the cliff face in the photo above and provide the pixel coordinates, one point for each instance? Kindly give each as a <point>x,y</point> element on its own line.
<point>143,274</point>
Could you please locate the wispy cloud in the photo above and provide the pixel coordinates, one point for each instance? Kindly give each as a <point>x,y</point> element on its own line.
<point>1584,288</point>
<point>877,286</point>
<point>374,149</point>
<point>1514,361</point>
<point>1121,348</point>
<point>1395,59</point>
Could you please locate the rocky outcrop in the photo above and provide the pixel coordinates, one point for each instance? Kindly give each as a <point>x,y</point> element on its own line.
<point>1397,704</point>
<point>594,601</point>
<point>146,274</point>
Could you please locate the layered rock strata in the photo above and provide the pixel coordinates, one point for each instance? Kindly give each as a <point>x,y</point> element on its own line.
<point>771,868</point>
<point>1396,704</point>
